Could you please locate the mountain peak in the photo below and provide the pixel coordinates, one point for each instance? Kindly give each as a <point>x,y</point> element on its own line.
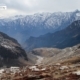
<point>77,11</point>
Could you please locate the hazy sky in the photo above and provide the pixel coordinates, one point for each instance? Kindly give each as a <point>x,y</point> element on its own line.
<point>35,6</point>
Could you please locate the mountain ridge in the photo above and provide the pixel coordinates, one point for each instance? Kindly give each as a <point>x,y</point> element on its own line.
<point>21,28</point>
<point>67,37</point>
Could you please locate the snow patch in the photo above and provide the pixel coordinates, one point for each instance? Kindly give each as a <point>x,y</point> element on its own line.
<point>34,68</point>
<point>78,14</point>
<point>63,67</point>
<point>7,46</point>
<point>1,71</point>
<point>77,72</point>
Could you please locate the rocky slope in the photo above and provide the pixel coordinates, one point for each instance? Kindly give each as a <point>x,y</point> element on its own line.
<point>22,27</point>
<point>67,37</point>
<point>52,56</point>
<point>11,53</point>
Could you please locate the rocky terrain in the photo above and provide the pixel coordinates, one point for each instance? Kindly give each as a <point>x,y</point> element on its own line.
<point>54,55</point>
<point>67,37</point>
<point>57,71</point>
<point>11,53</point>
<point>56,64</point>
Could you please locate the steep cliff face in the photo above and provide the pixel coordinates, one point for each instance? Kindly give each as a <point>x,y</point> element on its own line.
<point>11,53</point>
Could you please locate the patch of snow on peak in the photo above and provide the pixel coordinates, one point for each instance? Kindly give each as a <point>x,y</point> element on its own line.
<point>77,14</point>
<point>7,46</point>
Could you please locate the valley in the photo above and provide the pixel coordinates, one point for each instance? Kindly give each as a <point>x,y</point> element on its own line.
<point>40,47</point>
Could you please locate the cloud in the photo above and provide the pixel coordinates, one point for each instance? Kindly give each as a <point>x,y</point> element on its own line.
<point>10,12</point>
<point>35,6</point>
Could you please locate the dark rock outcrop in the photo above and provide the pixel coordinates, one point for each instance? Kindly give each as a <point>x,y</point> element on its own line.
<point>11,53</point>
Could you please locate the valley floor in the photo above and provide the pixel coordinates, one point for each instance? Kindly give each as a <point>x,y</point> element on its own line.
<point>39,60</point>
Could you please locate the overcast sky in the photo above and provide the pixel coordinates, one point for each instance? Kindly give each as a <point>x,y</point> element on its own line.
<point>35,6</point>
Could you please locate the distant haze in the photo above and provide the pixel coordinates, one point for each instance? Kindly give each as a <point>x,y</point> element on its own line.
<point>23,7</point>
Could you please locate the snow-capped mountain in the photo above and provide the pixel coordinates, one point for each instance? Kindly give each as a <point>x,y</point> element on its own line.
<point>22,27</point>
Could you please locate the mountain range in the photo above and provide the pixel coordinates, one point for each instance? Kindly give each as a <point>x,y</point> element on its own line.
<point>23,27</point>
<point>67,37</point>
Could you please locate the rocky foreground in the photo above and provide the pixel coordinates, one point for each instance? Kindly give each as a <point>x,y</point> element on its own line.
<point>58,71</point>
